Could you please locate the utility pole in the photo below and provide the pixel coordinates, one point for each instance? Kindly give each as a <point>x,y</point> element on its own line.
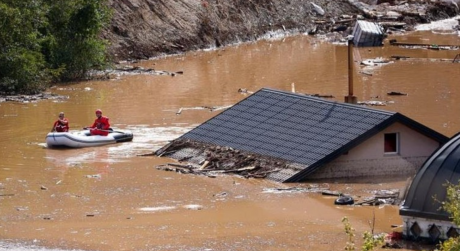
<point>350,98</point>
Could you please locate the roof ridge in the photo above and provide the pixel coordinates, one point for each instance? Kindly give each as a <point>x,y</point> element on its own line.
<point>353,106</point>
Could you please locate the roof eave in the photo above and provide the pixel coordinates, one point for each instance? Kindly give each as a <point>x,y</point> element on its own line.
<point>302,175</point>
<point>397,117</point>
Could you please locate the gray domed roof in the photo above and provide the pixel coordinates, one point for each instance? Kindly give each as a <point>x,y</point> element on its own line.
<point>428,186</point>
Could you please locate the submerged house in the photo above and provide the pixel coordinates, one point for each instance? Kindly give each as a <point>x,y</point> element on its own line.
<point>314,138</point>
<point>421,211</point>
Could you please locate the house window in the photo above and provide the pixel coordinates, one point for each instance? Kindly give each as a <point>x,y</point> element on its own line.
<point>391,143</point>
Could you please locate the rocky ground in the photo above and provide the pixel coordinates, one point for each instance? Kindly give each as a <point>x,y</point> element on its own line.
<point>142,29</point>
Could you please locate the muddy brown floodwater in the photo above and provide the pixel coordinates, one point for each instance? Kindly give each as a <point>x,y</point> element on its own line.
<point>108,198</point>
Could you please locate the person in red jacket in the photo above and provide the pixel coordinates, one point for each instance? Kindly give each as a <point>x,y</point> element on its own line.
<point>61,125</point>
<point>101,125</point>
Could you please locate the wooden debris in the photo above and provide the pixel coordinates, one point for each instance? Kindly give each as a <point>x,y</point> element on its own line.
<point>179,165</point>
<point>220,160</point>
<point>261,175</point>
<point>399,57</point>
<point>185,158</point>
<point>394,42</point>
<point>235,170</point>
<point>204,165</point>
<point>167,153</point>
<point>146,154</point>
<point>244,90</point>
<point>331,193</point>
<point>397,25</point>
<point>321,95</point>
<point>396,94</point>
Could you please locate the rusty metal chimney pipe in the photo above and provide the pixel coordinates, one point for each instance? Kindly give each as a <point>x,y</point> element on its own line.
<point>350,98</point>
<point>350,67</point>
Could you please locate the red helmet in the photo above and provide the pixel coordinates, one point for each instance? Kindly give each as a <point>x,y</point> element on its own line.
<point>98,111</point>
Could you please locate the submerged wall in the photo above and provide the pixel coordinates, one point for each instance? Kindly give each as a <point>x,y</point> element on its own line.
<point>369,159</point>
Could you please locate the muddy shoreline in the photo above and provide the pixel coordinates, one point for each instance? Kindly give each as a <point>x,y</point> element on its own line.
<point>145,29</point>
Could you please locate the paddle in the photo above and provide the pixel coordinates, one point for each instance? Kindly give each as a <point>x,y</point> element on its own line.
<point>109,131</point>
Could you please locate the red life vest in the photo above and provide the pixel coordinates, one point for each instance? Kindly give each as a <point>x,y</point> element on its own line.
<point>101,123</point>
<point>61,127</point>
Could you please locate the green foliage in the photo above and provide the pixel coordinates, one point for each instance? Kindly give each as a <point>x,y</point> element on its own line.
<point>22,71</point>
<point>74,44</point>
<point>452,206</point>
<point>21,62</point>
<point>452,244</point>
<point>350,231</point>
<point>49,40</point>
<point>369,240</point>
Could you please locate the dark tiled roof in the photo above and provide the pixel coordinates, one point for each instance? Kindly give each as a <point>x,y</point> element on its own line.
<point>441,167</point>
<point>298,128</point>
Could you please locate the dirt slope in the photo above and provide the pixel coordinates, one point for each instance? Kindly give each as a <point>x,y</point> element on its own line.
<point>141,29</point>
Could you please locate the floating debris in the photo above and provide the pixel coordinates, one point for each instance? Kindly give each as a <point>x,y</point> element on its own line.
<point>94,176</point>
<point>156,209</point>
<point>32,98</point>
<point>209,108</point>
<point>396,94</point>
<point>368,34</point>
<point>321,95</point>
<point>376,62</point>
<point>244,90</point>
<point>344,200</point>
<point>382,197</point>
<point>394,42</point>
<point>136,70</point>
<point>193,207</point>
<point>400,57</point>
<point>311,189</point>
<point>372,103</point>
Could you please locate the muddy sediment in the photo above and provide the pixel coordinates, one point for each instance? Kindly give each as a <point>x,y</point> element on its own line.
<point>143,29</point>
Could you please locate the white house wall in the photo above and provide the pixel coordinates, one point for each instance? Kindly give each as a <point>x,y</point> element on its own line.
<point>369,159</point>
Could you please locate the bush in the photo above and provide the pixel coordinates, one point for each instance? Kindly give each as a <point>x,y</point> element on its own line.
<point>452,206</point>
<point>369,240</point>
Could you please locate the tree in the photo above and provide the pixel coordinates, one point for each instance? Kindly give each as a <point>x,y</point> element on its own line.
<point>21,61</point>
<point>49,40</point>
<point>73,42</point>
